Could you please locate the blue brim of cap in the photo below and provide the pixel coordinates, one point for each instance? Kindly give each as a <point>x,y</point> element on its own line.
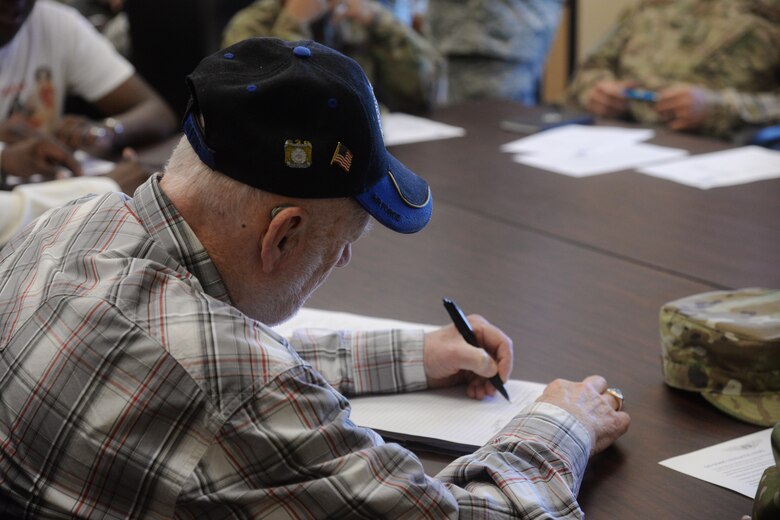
<point>400,201</point>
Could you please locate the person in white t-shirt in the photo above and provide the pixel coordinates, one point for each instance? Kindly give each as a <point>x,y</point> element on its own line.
<point>47,52</point>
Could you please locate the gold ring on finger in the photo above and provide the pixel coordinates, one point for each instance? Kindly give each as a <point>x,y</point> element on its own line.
<point>617,393</point>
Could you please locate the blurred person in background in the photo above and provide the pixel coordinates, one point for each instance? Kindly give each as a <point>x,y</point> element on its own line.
<point>494,48</point>
<point>704,66</point>
<point>407,73</point>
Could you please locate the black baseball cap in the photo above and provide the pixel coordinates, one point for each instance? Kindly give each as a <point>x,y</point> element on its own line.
<point>300,119</point>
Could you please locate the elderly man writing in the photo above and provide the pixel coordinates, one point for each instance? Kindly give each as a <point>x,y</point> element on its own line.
<point>139,378</point>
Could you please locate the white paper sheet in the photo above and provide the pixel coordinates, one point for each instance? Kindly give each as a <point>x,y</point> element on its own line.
<point>446,414</point>
<point>601,161</point>
<point>577,140</point>
<point>736,464</point>
<point>726,168</point>
<point>399,128</point>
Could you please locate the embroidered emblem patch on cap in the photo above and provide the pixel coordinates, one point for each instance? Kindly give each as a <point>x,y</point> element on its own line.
<point>297,154</point>
<point>343,157</point>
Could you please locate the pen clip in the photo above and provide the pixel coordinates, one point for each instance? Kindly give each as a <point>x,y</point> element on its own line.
<point>461,323</point>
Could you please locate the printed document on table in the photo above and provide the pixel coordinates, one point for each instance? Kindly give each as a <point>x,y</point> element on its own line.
<point>399,128</point>
<point>726,168</point>
<point>736,464</point>
<point>578,140</point>
<point>601,161</point>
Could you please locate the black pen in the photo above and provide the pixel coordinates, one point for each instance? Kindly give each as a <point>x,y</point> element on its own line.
<point>462,324</point>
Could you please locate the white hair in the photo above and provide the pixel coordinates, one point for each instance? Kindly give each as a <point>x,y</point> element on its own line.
<point>218,194</point>
<point>213,191</point>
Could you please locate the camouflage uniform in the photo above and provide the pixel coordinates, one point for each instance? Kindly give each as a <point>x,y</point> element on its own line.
<point>726,345</point>
<point>731,48</point>
<point>494,48</point>
<point>407,73</point>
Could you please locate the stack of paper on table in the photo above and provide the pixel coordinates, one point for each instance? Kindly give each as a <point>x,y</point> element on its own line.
<point>444,420</point>
<point>581,151</point>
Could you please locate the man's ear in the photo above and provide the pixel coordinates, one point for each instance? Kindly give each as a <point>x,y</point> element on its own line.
<point>283,234</point>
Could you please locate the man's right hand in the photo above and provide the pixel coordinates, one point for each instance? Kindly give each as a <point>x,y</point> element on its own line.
<point>306,11</point>
<point>607,98</point>
<point>595,409</point>
<point>38,155</point>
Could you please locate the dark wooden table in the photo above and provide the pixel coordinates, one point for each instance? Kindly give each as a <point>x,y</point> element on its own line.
<point>575,270</point>
<point>725,237</point>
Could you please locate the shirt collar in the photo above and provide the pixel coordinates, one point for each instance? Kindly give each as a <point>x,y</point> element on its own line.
<point>170,231</point>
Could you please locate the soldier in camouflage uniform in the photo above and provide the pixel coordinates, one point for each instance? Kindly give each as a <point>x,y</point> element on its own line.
<point>407,73</point>
<point>494,48</point>
<point>713,64</point>
<point>726,345</point>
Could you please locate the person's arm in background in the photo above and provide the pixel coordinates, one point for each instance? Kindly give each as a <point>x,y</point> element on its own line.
<point>742,87</point>
<point>596,86</point>
<point>135,114</point>
<point>716,113</point>
<point>409,74</point>
<point>285,20</point>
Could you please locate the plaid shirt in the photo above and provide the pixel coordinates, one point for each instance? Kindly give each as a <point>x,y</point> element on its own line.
<point>131,388</point>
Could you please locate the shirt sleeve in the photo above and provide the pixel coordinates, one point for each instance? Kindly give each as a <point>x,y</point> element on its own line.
<point>729,109</point>
<point>94,68</point>
<point>364,362</point>
<point>291,451</point>
<point>26,202</point>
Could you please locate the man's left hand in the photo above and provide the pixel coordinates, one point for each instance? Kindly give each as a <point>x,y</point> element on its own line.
<point>449,360</point>
<point>682,107</point>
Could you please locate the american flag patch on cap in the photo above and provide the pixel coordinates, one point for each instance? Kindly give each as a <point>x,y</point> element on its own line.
<point>343,157</point>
